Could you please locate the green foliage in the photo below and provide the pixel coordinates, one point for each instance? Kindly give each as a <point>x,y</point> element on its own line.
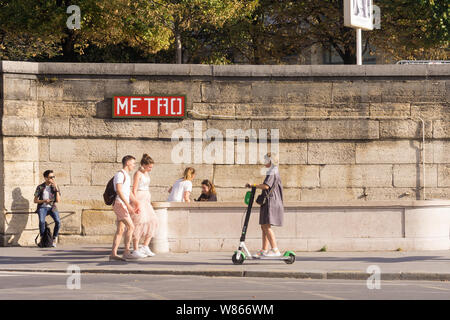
<point>215,31</point>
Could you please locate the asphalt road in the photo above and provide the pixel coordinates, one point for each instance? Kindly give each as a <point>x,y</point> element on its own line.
<point>31,286</point>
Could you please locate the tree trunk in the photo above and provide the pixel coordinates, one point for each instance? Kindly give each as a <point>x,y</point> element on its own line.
<point>68,46</point>
<point>179,48</point>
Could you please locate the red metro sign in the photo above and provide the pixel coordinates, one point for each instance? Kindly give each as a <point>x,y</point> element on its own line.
<point>149,107</point>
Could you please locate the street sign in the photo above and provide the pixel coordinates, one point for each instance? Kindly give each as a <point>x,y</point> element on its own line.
<point>358,14</point>
<point>149,107</point>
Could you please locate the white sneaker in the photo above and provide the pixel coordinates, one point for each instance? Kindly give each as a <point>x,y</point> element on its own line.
<point>272,253</point>
<point>133,256</point>
<point>146,250</point>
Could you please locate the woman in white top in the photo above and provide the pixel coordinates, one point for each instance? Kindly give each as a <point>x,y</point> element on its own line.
<point>182,188</point>
<point>146,221</point>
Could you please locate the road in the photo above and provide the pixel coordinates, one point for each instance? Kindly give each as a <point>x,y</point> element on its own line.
<point>30,286</point>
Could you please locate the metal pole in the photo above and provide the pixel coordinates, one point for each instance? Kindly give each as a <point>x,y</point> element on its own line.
<point>358,47</point>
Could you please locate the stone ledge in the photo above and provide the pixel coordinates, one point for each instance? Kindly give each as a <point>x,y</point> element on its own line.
<point>147,69</point>
<point>311,204</point>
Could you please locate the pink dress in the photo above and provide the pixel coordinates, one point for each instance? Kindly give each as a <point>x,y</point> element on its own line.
<point>146,221</point>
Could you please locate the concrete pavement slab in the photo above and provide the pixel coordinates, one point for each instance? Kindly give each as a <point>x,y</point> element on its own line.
<point>424,265</point>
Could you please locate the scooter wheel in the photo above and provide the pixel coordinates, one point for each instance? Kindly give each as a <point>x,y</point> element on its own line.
<point>238,258</point>
<point>291,259</point>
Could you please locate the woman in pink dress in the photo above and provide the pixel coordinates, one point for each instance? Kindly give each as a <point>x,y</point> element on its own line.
<point>146,221</point>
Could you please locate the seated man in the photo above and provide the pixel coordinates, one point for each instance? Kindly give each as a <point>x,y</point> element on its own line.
<point>46,195</point>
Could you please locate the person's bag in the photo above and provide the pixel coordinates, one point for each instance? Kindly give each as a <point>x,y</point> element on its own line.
<point>263,198</point>
<point>46,239</point>
<point>110,194</point>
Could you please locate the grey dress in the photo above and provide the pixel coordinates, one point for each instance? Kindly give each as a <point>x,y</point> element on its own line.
<point>272,212</point>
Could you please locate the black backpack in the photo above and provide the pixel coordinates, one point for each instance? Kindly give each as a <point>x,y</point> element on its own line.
<point>46,239</point>
<point>110,194</point>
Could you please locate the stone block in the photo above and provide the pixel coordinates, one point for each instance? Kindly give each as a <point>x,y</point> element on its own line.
<point>19,126</point>
<point>96,222</point>
<point>20,197</point>
<point>88,127</point>
<point>177,223</point>
<point>402,110</point>
<point>83,90</point>
<point>413,90</point>
<point>335,176</point>
<point>322,129</point>
<point>438,193</point>
<point>386,194</point>
<point>19,89</point>
<point>18,173</point>
<point>293,153</point>
<point>126,87</point>
<point>88,196</point>
<point>400,151</point>
<point>61,171</point>
<point>191,89</point>
<point>64,109</point>
<point>20,149</point>
<point>441,129</point>
<point>411,175</point>
<point>156,149</point>
<point>331,194</point>
<point>441,151</point>
<point>80,173</point>
<point>82,150</point>
<point>228,176</point>
<point>54,127</point>
<point>334,223</point>
<point>404,129</point>
<point>331,152</point>
<point>103,172</point>
<point>299,176</point>
<point>444,175</point>
<point>431,111</point>
<point>278,110</point>
<point>226,92</point>
<point>426,223</point>
<point>205,110</point>
<point>43,149</point>
<point>349,109</point>
<point>291,92</point>
<point>231,194</point>
<point>167,128</point>
<point>348,92</point>
<point>22,108</point>
<point>50,89</point>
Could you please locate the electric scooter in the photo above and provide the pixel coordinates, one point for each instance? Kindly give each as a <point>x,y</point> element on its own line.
<point>242,252</point>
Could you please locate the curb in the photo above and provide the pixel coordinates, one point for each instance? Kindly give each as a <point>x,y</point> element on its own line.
<point>420,276</point>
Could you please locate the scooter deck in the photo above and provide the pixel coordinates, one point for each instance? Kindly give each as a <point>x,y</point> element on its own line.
<point>270,258</point>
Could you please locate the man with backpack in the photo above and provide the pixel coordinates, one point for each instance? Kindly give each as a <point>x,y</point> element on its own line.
<point>46,196</point>
<point>122,208</point>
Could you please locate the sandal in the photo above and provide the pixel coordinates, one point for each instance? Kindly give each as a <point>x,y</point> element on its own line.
<point>116,258</point>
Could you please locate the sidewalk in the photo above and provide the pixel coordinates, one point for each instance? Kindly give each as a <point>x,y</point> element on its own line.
<point>423,265</point>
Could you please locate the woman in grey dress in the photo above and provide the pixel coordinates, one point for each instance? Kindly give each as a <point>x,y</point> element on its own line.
<point>271,213</point>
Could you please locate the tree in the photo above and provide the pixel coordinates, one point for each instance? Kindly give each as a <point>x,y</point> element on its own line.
<point>414,29</point>
<point>168,22</point>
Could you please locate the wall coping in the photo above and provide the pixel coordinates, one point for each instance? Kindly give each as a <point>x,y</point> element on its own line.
<point>307,204</point>
<point>196,70</point>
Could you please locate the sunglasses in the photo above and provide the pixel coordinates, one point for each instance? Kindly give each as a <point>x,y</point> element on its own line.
<point>51,177</point>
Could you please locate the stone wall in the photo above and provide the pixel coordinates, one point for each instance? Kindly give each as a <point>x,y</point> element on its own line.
<point>345,132</point>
